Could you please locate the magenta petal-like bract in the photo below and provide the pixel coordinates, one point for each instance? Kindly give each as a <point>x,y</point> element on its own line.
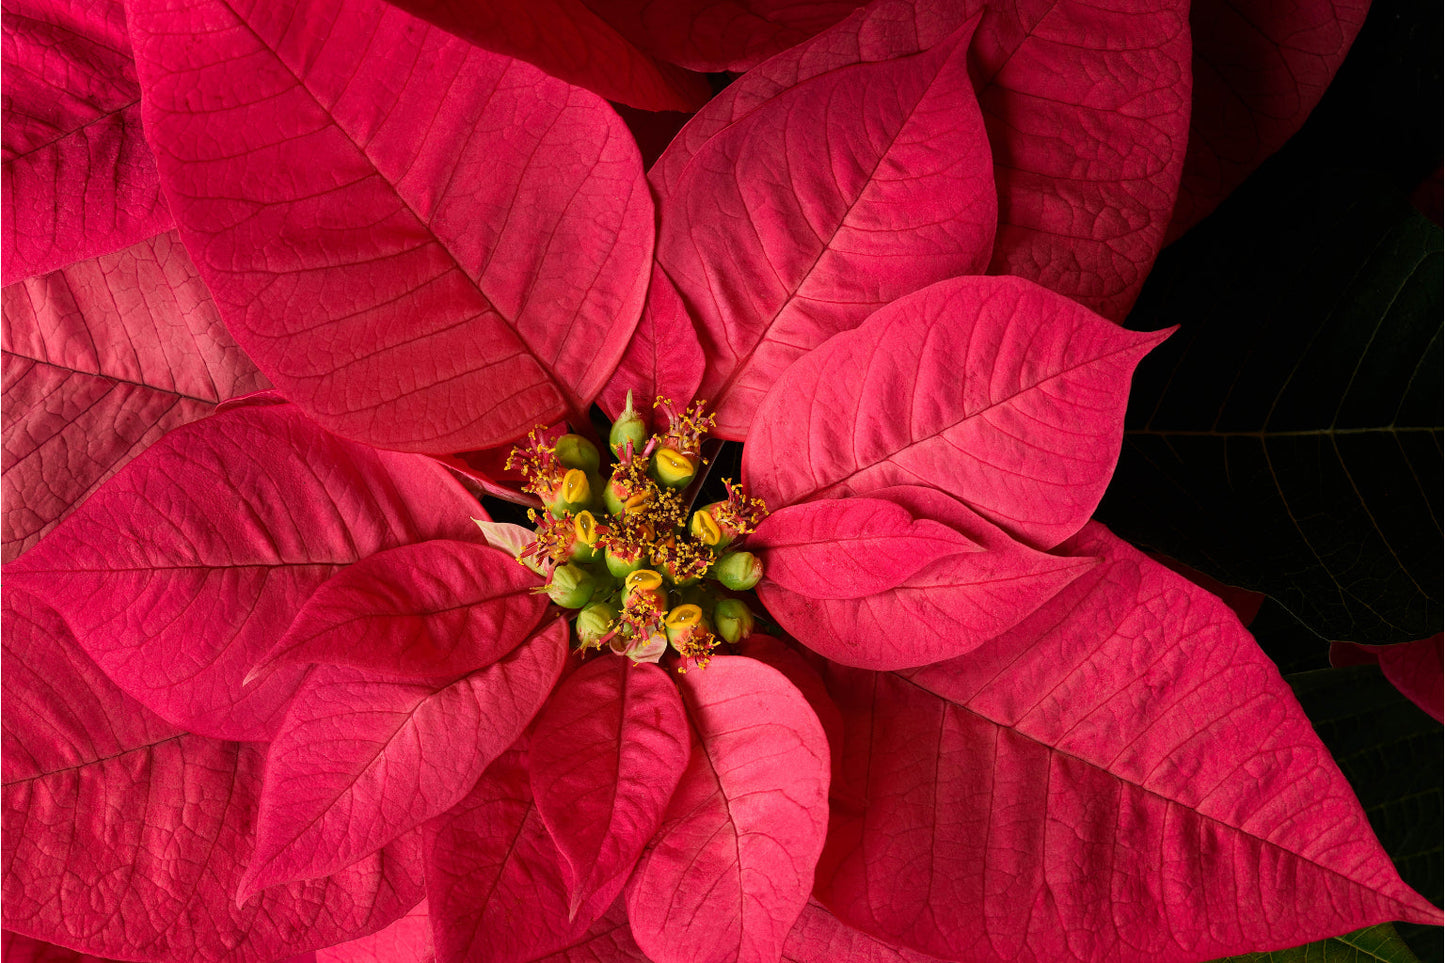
<point>663,358</point>
<point>78,179</point>
<point>188,565</point>
<point>712,35</point>
<point>851,547</point>
<point>1125,776</point>
<point>567,40</point>
<point>494,877</point>
<point>946,607</point>
<point>1087,107</point>
<point>100,359</point>
<point>864,178</point>
<point>994,390</point>
<point>1260,67</point>
<point>125,836</point>
<point>804,677</point>
<point>359,761</point>
<point>818,937</point>
<point>424,245</point>
<point>732,865</point>
<point>607,753</point>
<point>435,608</point>
<point>408,940</point>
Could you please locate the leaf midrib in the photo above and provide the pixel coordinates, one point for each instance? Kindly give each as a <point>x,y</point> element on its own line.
<point>1057,751</point>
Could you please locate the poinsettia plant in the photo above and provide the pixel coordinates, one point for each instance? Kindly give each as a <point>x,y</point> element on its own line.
<point>288,285</point>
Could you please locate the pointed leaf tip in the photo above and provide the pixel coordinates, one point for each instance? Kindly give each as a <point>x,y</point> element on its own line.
<point>996,391</point>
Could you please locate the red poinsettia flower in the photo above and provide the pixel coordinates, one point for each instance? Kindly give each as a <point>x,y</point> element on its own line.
<point>272,683</point>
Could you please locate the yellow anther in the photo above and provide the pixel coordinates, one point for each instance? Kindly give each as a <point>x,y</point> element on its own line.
<point>575,489</point>
<point>704,528</point>
<point>684,616</point>
<point>585,528</point>
<point>643,580</point>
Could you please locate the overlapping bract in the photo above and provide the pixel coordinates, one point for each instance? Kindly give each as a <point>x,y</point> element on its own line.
<point>1110,730</point>
<point>994,390</point>
<point>165,818</point>
<point>343,245</point>
<point>100,359</point>
<point>182,571</point>
<point>76,178</point>
<point>845,173</point>
<point>432,248</point>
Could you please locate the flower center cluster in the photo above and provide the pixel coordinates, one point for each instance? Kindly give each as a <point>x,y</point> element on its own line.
<point>643,576</point>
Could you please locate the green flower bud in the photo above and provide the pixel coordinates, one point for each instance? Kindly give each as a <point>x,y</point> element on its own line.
<point>673,468</point>
<point>683,623</point>
<point>571,586</point>
<point>584,544</point>
<point>646,583</point>
<point>594,621</point>
<point>734,620</point>
<point>705,528</point>
<point>629,427</point>
<point>739,571</point>
<point>572,495</point>
<point>574,451</point>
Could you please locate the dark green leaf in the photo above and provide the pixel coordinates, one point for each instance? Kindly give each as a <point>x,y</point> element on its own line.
<point>1390,751</point>
<point>1377,944</point>
<point>1287,439</point>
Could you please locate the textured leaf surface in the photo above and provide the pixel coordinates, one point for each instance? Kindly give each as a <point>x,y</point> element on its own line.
<point>494,877</point>
<point>1392,754</point>
<point>100,359</point>
<point>1374,944</point>
<point>947,607</point>
<point>607,753</point>
<point>731,868</point>
<point>843,185</point>
<point>994,390</point>
<point>431,248</point>
<point>76,177</point>
<point>663,358</point>
<point>435,608</point>
<point>357,761</point>
<point>1087,110</point>
<point>1314,474</point>
<point>1259,69</point>
<point>851,547</point>
<point>609,940</point>
<point>1104,782</point>
<point>408,940</point>
<point>804,677</point>
<point>568,40</point>
<point>1412,667</point>
<point>15,948</point>
<point>163,817</point>
<point>818,937</point>
<point>712,35</point>
<point>187,566</point>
